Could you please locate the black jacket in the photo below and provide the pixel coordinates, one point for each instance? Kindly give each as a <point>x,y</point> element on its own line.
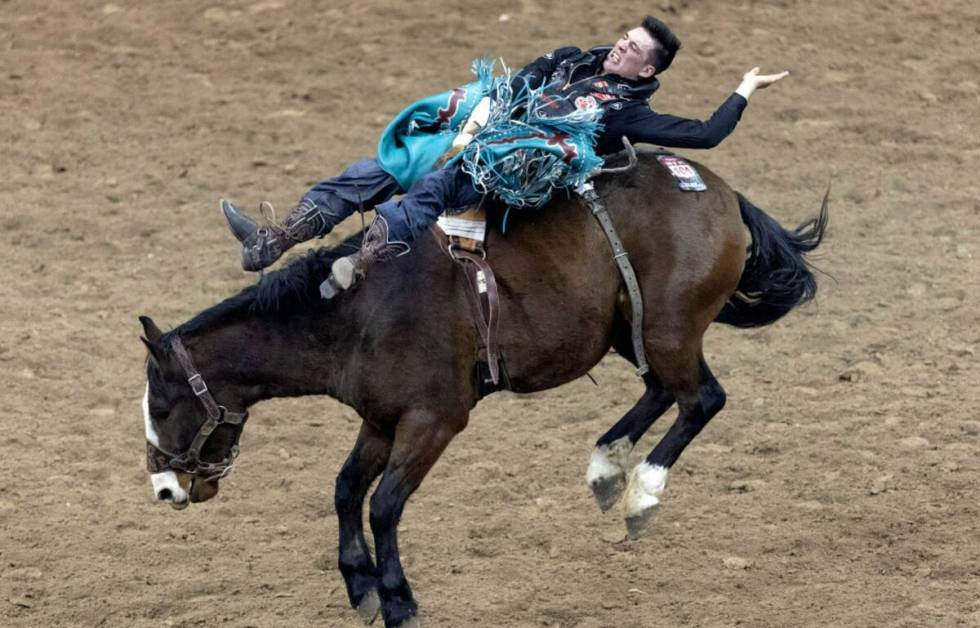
<point>575,75</point>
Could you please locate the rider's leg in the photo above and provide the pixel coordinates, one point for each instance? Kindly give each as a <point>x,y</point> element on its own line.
<point>399,222</point>
<point>362,184</point>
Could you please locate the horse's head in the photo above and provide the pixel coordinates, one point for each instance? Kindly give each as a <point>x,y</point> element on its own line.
<point>192,440</point>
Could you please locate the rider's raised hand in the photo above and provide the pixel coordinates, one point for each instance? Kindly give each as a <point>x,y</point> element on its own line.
<point>752,81</point>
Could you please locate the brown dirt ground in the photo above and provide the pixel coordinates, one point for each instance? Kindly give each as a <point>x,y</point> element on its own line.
<point>843,471</point>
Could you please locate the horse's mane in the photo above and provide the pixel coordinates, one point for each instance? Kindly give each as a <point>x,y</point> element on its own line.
<point>292,289</point>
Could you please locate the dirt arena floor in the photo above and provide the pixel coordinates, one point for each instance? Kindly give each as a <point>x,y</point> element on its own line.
<point>839,487</point>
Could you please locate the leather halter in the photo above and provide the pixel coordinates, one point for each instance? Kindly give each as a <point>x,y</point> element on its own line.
<point>189,460</point>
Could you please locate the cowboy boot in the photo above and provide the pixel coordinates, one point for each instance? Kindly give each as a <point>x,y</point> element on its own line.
<point>376,247</point>
<point>263,245</point>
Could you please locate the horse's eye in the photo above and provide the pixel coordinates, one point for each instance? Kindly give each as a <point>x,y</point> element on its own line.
<point>159,414</point>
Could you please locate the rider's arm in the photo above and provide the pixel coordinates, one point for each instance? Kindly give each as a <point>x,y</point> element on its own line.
<point>643,125</point>
<point>640,124</point>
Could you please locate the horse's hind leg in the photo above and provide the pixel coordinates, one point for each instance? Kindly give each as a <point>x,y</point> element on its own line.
<point>606,474</point>
<point>700,397</point>
<point>364,464</point>
<point>420,439</point>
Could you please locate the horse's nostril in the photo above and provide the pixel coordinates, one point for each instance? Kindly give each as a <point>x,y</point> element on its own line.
<point>165,495</point>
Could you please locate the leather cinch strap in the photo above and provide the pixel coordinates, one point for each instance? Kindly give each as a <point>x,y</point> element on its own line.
<point>598,210</point>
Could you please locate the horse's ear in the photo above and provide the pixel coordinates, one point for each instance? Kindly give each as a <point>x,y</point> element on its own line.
<point>151,338</point>
<point>156,353</point>
<point>150,329</point>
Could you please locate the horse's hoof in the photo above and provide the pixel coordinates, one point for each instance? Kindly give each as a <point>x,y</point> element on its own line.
<point>637,524</point>
<point>606,475</point>
<point>644,488</point>
<point>369,607</point>
<point>607,491</point>
<point>411,622</point>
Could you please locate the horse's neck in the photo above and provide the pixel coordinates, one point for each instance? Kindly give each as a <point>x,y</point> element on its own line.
<point>336,350</point>
<point>271,358</point>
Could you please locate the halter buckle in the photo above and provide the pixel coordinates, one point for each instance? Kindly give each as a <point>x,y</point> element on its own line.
<point>197,384</point>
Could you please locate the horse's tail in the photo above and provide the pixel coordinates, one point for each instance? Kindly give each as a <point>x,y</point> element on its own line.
<point>777,276</point>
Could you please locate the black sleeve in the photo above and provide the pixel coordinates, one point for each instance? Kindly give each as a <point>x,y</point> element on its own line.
<point>538,71</point>
<point>645,125</point>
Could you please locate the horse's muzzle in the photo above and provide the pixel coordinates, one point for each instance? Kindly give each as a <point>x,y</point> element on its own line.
<point>202,490</point>
<point>169,488</point>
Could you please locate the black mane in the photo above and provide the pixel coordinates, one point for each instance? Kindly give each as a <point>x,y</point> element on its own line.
<point>293,288</point>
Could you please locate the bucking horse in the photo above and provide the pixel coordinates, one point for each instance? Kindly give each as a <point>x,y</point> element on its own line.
<point>400,349</point>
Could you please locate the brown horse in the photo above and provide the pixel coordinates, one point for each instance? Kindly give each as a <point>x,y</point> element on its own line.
<point>401,350</point>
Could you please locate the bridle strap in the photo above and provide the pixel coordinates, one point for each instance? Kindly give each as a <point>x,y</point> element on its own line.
<point>216,415</point>
<point>215,411</point>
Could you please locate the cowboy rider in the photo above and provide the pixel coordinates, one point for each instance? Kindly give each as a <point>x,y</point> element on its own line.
<point>620,79</point>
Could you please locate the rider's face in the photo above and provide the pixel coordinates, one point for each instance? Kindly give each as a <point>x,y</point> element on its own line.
<point>630,56</point>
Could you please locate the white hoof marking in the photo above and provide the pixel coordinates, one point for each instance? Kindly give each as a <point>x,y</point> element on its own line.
<point>644,489</point>
<point>606,475</point>
<point>609,461</point>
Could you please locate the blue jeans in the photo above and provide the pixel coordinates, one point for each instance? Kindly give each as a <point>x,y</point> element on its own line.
<point>444,190</point>
<point>362,184</point>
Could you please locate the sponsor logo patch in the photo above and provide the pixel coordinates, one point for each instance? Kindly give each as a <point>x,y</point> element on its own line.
<point>687,177</point>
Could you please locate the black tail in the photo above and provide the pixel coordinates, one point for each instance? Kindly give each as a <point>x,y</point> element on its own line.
<point>777,276</point>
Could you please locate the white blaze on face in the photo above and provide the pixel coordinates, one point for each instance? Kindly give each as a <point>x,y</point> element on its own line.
<point>644,488</point>
<point>151,434</point>
<point>609,461</point>
<point>165,484</point>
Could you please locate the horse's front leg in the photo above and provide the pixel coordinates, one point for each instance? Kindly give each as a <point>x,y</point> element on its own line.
<point>364,464</point>
<point>606,475</point>
<point>420,439</point>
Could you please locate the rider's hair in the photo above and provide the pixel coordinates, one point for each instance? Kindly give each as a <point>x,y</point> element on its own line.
<point>667,43</point>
